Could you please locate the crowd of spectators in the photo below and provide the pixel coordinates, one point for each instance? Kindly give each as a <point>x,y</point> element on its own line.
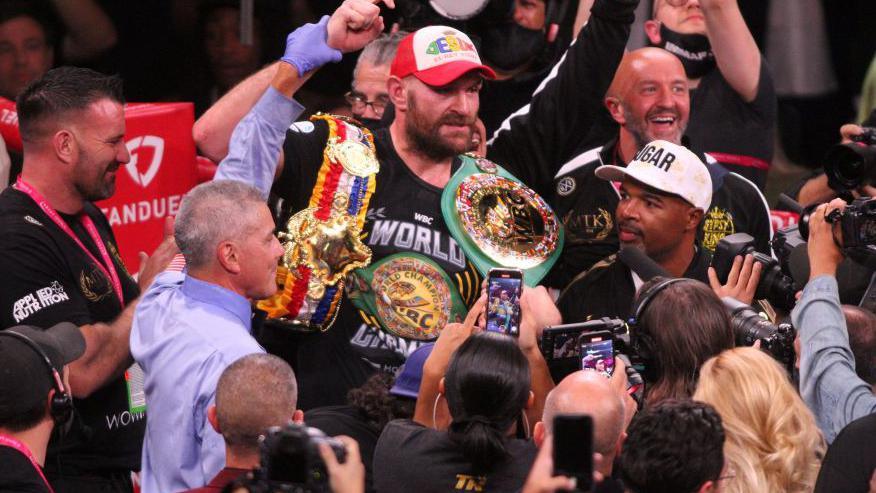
<point>313,318</point>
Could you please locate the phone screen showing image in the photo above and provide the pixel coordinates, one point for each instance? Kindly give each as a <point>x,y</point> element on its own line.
<point>597,353</point>
<point>504,287</point>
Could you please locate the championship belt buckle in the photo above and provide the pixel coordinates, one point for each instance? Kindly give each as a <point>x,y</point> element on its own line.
<point>322,243</point>
<point>408,295</point>
<point>500,222</point>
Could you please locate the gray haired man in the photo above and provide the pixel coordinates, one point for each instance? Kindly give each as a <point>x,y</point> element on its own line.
<point>192,324</point>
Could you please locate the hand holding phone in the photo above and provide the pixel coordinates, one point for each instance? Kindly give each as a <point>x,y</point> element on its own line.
<point>504,288</point>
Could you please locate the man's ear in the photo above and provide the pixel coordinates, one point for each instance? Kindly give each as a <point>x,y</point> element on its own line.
<point>615,109</point>
<point>538,434</point>
<point>211,417</point>
<point>695,216</point>
<point>397,92</point>
<point>441,386</point>
<point>226,253</point>
<point>65,145</point>
<point>530,401</point>
<point>298,416</point>
<point>652,30</point>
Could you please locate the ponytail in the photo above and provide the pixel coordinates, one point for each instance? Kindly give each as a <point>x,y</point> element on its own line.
<point>481,441</point>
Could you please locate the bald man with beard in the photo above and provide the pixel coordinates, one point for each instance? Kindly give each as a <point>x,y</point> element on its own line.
<point>649,100</point>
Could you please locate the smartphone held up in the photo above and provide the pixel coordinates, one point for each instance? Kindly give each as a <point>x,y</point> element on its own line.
<point>504,288</point>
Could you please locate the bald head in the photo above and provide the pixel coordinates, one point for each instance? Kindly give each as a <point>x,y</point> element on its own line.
<point>588,392</point>
<point>639,64</point>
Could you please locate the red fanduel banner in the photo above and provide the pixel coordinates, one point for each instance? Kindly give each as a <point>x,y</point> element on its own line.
<point>150,187</point>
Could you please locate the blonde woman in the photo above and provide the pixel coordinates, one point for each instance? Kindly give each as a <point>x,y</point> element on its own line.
<point>773,444</point>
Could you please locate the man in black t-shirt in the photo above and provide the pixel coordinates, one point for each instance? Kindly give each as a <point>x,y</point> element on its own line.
<point>663,191</point>
<point>418,154</point>
<point>33,399</point>
<point>649,100</point>
<point>733,104</point>
<point>60,262</point>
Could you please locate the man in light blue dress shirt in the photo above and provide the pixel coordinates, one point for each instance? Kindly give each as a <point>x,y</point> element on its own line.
<point>194,322</point>
<point>828,382</point>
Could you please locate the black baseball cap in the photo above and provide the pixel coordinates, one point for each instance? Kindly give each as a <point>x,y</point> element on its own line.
<point>24,378</point>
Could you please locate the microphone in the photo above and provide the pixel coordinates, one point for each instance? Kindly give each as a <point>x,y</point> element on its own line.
<point>641,264</point>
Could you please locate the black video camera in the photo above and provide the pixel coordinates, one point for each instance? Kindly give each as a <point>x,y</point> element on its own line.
<point>290,459</point>
<point>775,285</point>
<point>851,165</point>
<point>749,326</point>
<point>858,227</point>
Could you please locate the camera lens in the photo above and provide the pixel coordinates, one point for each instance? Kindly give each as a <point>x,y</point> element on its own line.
<point>849,165</point>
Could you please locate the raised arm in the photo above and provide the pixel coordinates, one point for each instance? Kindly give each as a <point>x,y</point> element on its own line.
<point>213,129</point>
<point>735,51</point>
<point>353,25</point>
<point>536,140</point>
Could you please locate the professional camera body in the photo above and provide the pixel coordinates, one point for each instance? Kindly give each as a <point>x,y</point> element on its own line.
<point>851,165</point>
<point>775,285</point>
<point>749,326</point>
<point>290,459</point>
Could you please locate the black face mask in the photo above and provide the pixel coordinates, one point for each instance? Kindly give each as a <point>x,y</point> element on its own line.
<point>371,123</point>
<point>694,51</point>
<point>508,45</point>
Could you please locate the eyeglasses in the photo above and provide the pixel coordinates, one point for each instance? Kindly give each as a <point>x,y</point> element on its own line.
<point>358,103</point>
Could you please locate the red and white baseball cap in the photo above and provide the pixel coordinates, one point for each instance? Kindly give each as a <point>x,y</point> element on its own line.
<point>437,56</point>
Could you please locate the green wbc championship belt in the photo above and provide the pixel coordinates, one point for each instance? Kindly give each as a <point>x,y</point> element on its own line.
<point>407,294</point>
<point>500,222</point>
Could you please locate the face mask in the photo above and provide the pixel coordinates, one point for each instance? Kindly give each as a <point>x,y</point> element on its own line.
<point>371,123</point>
<point>694,51</point>
<point>508,45</point>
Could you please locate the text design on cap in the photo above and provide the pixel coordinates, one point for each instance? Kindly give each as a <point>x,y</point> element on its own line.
<point>659,157</point>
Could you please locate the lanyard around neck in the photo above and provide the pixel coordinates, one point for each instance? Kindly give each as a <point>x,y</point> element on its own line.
<point>7,441</point>
<point>107,267</point>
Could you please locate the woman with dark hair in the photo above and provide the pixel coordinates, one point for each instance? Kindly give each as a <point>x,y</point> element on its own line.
<point>487,388</point>
<point>682,324</point>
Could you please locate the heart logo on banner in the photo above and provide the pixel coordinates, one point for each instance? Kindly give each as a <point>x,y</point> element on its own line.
<point>133,145</point>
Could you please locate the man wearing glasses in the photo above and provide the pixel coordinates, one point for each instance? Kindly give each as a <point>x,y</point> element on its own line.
<point>368,97</point>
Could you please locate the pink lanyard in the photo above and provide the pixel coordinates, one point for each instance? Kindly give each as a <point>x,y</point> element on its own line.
<point>92,232</point>
<point>15,444</point>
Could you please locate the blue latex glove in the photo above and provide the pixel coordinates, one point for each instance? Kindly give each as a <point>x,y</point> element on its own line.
<point>307,49</point>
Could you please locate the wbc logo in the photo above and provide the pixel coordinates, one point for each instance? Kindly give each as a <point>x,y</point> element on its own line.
<point>135,147</point>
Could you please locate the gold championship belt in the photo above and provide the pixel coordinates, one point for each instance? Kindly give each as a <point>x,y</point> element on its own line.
<point>323,243</point>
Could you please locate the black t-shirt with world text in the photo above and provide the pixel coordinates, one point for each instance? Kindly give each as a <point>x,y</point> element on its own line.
<point>48,279</point>
<point>404,215</point>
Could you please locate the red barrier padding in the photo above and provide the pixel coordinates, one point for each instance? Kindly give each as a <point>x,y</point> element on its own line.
<point>206,169</point>
<point>9,125</point>
<point>783,219</point>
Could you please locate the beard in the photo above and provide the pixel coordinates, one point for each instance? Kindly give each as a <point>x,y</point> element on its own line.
<point>638,128</point>
<point>99,187</point>
<point>425,135</point>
